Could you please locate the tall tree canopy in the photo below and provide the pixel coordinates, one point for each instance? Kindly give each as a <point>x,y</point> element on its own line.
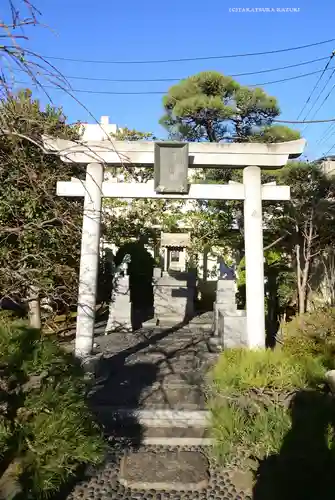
<point>213,107</point>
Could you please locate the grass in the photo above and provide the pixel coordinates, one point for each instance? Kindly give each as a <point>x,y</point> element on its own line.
<point>248,398</point>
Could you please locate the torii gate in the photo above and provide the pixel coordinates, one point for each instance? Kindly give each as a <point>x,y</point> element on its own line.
<point>171,161</point>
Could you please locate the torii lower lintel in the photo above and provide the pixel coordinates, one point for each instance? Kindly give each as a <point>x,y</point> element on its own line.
<point>236,191</point>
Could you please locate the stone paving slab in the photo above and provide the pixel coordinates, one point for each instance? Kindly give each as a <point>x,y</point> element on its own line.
<point>164,470</point>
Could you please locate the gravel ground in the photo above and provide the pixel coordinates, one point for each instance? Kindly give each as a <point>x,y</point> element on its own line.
<point>103,483</point>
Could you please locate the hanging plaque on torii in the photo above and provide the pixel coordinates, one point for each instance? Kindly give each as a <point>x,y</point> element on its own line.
<point>171,167</point>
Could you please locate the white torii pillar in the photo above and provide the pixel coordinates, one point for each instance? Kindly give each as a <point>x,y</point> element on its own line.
<point>254,256</point>
<point>251,156</point>
<point>89,259</point>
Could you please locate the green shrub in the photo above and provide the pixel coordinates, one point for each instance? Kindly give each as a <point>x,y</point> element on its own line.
<point>242,369</point>
<point>45,426</point>
<point>312,334</point>
<point>249,396</point>
<point>240,433</point>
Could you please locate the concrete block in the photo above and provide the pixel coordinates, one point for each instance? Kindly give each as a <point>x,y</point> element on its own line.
<point>120,308</point>
<point>174,298</point>
<point>234,332</point>
<point>226,285</point>
<point>157,273</point>
<point>229,327</point>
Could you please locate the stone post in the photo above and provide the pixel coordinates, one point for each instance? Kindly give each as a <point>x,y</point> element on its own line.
<point>89,260</point>
<point>166,259</point>
<point>254,257</point>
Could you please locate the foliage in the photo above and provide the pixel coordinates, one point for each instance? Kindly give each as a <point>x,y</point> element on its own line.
<point>249,397</point>
<point>324,267</point>
<point>129,172</point>
<point>280,279</point>
<point>125,220</point>
<point>45,426</point>
<point>279,282</point>
<point>275,133</point>
<point>208,227</point>
<point>312,334</point>
<point>213,107</point>
<point>304,227</point>
<point>127,134</point>
<point>39,232</point>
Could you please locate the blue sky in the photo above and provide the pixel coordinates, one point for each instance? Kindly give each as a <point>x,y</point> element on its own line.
<point>133,30</point>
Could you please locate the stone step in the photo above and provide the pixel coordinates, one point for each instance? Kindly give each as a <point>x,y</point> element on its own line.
<point>147,368</point>
<point>160,335</point>
<point>176,432</point>
<point>190,327</point>
<point>231,311</point>
<point>177,441</point>
<point>160,395</point>
<point>152,418</point>
<point>160,436</point>
<point>160,354</point>
<point>223,284</point>
<point>177,347</point>
<point>165,345</point>
<point>170,353</point>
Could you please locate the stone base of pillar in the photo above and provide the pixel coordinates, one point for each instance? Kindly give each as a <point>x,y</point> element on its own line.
<point>229,323</point>
<point>90,363</point>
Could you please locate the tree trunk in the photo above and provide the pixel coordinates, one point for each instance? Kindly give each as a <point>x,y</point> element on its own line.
<point>34,306</point>
<point>302,279</point>
<point>272,317</point>
<point>304,259</point>
<point>210,132</point>
<point>300,291</point>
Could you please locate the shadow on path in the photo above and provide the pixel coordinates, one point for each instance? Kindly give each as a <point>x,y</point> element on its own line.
<point>304,467</point>
<point>140,271</point>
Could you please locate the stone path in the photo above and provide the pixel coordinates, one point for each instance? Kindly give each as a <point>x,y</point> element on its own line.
<point>150,396</point>
<point>153,369</point>
<point>111,481</point>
